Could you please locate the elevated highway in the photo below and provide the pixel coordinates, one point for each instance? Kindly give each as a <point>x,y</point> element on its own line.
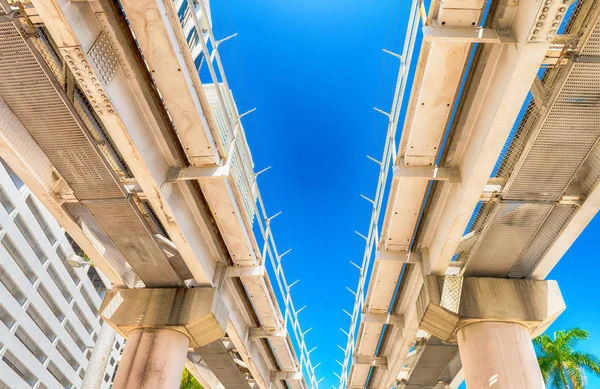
<point>105,118</point>
<point>494,175</point>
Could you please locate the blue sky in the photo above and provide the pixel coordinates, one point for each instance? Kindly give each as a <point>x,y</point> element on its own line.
<point>314,69</point>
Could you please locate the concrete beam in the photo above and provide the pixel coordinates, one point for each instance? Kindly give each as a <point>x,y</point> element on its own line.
<point>176,174</point>
<point>198,313</point>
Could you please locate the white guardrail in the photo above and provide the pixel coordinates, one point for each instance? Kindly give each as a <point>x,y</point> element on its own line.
<point>234,148</point>
<point>386,163</point>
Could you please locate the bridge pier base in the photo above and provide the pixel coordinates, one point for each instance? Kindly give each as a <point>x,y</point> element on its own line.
<point>493,321</point>
<point>160,326</point>
<point>498,355</point>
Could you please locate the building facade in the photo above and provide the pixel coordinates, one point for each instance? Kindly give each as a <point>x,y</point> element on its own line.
<point>48,310</point>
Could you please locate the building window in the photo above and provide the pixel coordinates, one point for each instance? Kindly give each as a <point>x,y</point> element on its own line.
<point>74,335</point>
<point>89,301</point>
<point>63,259</point>
<point>3,385</point>
<point>106,377</point>
<point>13,176</point>
<point>30,238</point>
<point>18,367</point>
<point>40,219</point>
<point>94,277</point>
<point>112,361</point>
<point>45,295</point>
<point>81,373</point>
<point>6,318</point>
<point>30,344</point>
<point>5,201</point>
<point>41,323</point>
<point>60,377</point>
<point>59,283</point>
<point>80,315</point>
<point>19,259</point>
<point>62,349</point>
<point>12,287</point>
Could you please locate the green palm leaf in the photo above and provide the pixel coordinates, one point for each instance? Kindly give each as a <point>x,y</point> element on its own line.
<point>561,365</point>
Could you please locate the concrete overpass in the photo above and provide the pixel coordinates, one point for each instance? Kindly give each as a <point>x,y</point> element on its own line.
<point>105,118</point>
<point>494,175</point>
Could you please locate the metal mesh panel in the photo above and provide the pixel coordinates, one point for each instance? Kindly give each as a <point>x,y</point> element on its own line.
<point>451,291</point>
<point>542,241</point>
<point>511,230</point>
<point>587,176</point>
<point>103,243</point>
<point>31,96</point>
<point>515,144</point>
<point>567,136</point>
<point>126,228</point>
<point>471,237</point>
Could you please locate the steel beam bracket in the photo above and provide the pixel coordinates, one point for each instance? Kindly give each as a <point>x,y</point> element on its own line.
<point>176,174</point>
<point>245,271</point>
<point>286,375</point>
<point>383,318</point>
<point>433,173</point>
<point>266,332</point>
<point>370,360</point>
<point>467,35</point>
<point>398,256</point>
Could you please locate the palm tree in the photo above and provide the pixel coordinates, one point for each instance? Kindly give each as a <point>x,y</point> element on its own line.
<point>563,367</point>
<point>188,381</point>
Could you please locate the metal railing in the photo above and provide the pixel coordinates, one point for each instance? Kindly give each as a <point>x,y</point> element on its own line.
<point>387,161</point>
<point>235,146</point>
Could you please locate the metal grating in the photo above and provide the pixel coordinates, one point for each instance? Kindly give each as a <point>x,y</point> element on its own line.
<point>567,135</point>
<point>509,233</point>
<point>125,226</point>
<point>542,241</point>
<point>31,95</point>
<point>103,244</point>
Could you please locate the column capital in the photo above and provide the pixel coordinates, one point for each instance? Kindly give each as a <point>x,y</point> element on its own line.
<point>447,303</point>
<point>198,313</point>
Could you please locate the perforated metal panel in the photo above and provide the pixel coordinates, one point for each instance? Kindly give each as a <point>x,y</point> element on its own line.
<point>31,96</point>
<point>542,241</point>
<point>126,228</point>
<point>568,133</point>
<point>103,244</point>
<point>512,228</point>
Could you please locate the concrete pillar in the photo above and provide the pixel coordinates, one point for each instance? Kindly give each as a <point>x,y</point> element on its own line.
<point>160,326</point>
<point>153,359</point>
<point>498,355</point>
<point>94,375</point>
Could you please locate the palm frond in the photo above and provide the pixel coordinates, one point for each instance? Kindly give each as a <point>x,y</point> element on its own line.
<point>587,361</point>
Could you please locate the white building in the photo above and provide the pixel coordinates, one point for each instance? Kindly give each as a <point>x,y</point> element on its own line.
<point>48,310</point>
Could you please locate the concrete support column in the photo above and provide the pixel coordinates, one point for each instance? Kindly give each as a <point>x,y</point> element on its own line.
<point>94,374</point>
<point>498,355</point>
<point>160,326</point>
<point>153,359</point>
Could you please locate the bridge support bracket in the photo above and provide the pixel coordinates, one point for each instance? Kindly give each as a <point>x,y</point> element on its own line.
<point>245,271</point>
<point>266,332</point>
<point>286,375</point>
<point>383,318</point>
<point>433,173</point>
<point>467,35</point>
<point>176,174</point>
<point>370,360</point>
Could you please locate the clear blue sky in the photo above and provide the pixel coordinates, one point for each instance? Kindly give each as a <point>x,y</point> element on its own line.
<point>314,69</point>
